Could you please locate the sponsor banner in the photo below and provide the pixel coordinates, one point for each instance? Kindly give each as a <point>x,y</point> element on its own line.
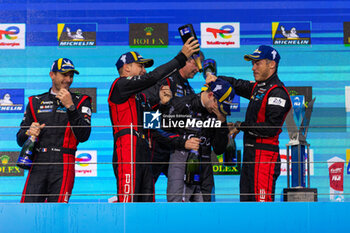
<point>86,163</point>
<point>348,161</point>
<point>336,179</point>
<point>346,31</point>
<point>11,100</point>
<point>291,33</point>
<point>221,169</point>
<point>148,35</point>
<point>12,36</point>
<point>90,92</point>
<point>76,34</point>
<point>347,98</point>
<point>8,166</point>
<point>283,155</point>
<point>220,35</point>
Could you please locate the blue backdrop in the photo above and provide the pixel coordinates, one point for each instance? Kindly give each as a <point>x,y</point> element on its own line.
<point>324,65</point>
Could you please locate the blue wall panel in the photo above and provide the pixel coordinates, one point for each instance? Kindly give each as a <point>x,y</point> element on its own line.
<point>175,217</point>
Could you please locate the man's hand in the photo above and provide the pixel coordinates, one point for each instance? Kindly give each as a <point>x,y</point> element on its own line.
<point>221,117</point>
<point>192,144</point>
<point>210,78</point>
<point>65,97</point>
<point>35,129</point>
<point>191,46</point>
<point>165,94</point>
<point>232,127</point>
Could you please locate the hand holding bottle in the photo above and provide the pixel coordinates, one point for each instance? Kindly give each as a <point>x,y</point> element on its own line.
<point>192,144</point>
<point>210,78</point>
<point>35,129</point>
<point>190,47</point>
<point>232,127</point>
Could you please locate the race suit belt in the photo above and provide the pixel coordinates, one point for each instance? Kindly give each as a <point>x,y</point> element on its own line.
<point>261,146</point>
<point>53,149</point>
<point>128,131</point>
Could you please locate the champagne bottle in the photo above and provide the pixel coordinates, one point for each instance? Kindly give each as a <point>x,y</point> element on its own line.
<point>187,31</point>
<point>192,175</point>
<point>230,154</point>
<point>209,66</point>
<point>25,158</point>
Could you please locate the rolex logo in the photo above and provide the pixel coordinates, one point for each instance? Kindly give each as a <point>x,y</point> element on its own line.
<point>148,34</point>
<point>148,31</point>
<point>4,159</point>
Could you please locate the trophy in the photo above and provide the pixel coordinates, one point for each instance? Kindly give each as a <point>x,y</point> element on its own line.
<point>297,191</point>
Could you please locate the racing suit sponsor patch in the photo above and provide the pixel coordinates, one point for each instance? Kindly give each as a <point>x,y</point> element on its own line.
<point>277,101</point>
<point>86,110</point>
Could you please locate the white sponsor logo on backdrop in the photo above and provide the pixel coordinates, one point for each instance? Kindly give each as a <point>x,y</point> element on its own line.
<point>12,36</point>
<point>220,35</point>
<point>86,163</point>
<point>336,179</point>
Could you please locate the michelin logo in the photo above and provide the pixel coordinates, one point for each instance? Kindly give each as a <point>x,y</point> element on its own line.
<point>11,100</point>
<point>151,120</point>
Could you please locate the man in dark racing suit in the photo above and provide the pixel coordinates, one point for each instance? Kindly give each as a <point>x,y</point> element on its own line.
<point>268,107</point>
<point>53,180</point>
<point>179,86</point>
<point>210,106</point>
<point>126,106</point>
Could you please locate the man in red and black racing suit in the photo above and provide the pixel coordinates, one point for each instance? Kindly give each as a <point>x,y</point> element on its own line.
<point>126,106</point>
<point>51,117</point>
<point>268,107</point>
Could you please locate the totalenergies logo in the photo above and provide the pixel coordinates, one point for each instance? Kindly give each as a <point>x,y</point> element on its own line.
<point>226,29</point>
<point>9,32</point>
<point>83,159</point>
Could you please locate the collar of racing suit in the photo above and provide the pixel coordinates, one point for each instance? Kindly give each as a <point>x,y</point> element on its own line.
<point>269,80</point>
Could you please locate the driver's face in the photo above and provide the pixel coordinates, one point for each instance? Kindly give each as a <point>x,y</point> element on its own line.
<point>137,69</point>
